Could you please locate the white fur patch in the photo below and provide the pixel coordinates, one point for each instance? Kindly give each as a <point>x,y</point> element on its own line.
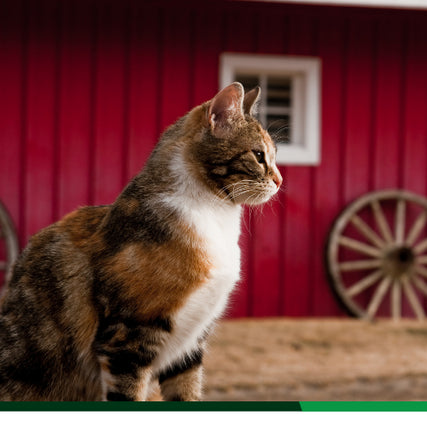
<point>218,225</point>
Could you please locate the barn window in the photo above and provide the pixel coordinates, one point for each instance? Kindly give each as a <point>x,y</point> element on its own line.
<point>290,100</point>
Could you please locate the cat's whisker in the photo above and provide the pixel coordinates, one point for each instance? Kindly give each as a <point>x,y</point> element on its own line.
<point>284,126</point>
<point>223,191</point>
<point>249,222</point>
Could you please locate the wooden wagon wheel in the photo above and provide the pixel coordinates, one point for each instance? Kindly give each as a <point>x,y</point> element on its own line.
<point>384,237</point>
<point>8,235</point>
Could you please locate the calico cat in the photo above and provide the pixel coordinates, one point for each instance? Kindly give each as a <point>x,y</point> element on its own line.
<point>113,299</point>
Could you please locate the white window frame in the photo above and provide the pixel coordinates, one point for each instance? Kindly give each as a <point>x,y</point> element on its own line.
<point>305,74</point>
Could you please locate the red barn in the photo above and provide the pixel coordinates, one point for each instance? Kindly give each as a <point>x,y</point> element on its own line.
<point>86,88</point>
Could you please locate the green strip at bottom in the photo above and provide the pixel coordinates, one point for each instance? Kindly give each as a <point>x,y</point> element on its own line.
<point>364,406</point>
<point>217,406</point>
<point>150,406</point>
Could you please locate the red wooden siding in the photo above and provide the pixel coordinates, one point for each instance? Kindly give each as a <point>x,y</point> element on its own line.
<point>86,88</point>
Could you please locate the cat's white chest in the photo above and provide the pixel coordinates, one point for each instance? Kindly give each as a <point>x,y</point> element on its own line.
<point>219,231</point>
<point>220,234</point>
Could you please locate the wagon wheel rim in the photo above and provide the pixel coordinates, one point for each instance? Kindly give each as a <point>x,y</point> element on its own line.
<point>393,256</point>
<point>8,235</point>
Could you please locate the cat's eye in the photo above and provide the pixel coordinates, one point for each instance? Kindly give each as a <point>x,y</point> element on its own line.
<point>259,155</point>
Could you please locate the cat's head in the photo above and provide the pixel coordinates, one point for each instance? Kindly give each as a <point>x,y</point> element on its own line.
<point>232,154</point>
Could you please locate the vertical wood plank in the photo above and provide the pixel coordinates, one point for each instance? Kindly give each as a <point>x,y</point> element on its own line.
<point>413,144</point>
<point>144,84</point>
<point>12,60</point>
<point>358,108</point>
<point>387,98</point>
<point>176,71</point>
<point>359,115</point>
<point>109,162</point>
<point>41,115</point>
<point>75,114</point>
<point>297,261</point>
<point>331,48</point>
<point>12,92</point>
<point>208,27</point>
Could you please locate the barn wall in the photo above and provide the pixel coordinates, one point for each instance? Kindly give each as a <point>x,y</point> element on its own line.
<point>86,88</point>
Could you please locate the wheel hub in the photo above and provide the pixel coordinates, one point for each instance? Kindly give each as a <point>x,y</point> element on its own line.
<point>399,261</point>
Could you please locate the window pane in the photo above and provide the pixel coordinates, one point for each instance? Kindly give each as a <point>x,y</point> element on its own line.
<point>279,91</point>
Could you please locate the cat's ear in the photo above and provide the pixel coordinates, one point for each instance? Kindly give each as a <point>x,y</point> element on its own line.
<point>225,110</point>
<point>250,100</point>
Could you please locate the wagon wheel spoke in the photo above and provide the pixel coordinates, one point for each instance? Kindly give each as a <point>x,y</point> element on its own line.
<point>396,300</point>
<point>420,270</point>
<point>378,297</point>
<point>360,265</point>
<point>413,299</point>
<point>416,228</point>
<point>381,221</point>
<point>400,221</point>
<point>359,247</point>
<point>421,247</point>
<point>422,259</point>
<point>420,284</point>
<point>364,283</point>
<point>367,231</point>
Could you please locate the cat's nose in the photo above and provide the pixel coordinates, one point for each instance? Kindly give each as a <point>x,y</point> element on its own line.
<point>277,179</point>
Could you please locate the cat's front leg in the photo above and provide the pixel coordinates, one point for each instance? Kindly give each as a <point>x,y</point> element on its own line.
<point>183,380</point>
<point>126,351</point>
<point>126,385</point>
